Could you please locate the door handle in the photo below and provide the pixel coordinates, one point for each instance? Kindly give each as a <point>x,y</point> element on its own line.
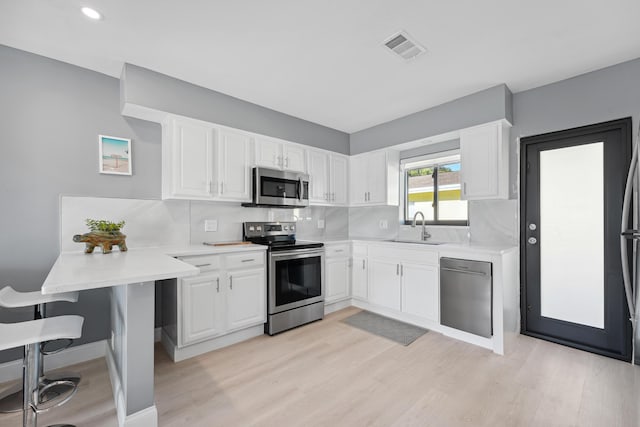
<point>532,240</point>
<point>300,189</point>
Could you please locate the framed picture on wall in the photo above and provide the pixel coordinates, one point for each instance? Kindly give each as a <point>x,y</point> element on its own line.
<point>115,155</point>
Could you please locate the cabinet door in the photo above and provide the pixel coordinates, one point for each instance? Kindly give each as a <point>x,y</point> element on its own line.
<point>268,153</point>
<point>203,308</point>
<point>339,180</point>
<point>318,170</point>
<point>479,159</point>
<point>358,180</point>
<point>337,279</point>
<point>246,298</point>
<point>384,283</point>
<point>294,158</point>
<point>234,166</point>
<point>420,290</point>
<point>377,178</point>
<point>359,288</point>
<point>192,166</point>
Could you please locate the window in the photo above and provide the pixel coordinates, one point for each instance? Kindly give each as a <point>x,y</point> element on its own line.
<point>432,186</point>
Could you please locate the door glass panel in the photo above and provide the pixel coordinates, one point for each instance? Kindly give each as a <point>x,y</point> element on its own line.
<point>571,234</point>
<point>298,279</point>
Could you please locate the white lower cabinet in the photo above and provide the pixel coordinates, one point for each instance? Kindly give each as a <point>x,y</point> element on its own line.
<point>337,274</point>
<point>229,295</point>
<point>203,308</point>
<point>402,280</point>
<point>246,298</point>
<point>384,283</point>
<point>337,279</point>
<point>359,285</point>
<point>420,290</point>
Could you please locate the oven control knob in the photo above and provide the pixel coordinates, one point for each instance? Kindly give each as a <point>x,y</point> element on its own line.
<point>259,228</point>
<point>286,227</point>
<point>293,228</point>
<point>252,228</point>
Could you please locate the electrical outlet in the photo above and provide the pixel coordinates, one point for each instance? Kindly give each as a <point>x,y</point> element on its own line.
<point>384,224</point>
<point>321,223</point>
<point>210,225</point>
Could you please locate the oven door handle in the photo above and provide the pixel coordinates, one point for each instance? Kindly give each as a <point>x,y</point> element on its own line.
<point>300,188</point>
<point>298,253</point>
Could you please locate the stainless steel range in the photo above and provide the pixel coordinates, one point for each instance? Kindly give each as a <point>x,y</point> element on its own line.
<point>295,271</point>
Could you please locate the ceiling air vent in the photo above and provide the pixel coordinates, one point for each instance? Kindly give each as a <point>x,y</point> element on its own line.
<point>402,45</point>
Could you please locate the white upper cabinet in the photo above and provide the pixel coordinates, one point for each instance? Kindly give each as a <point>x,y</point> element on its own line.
<point>234,175</point>
<point>318,170</point>
<point>293,158</point>
<point>375,178</point>
<point>484,158</point>
<point>277,154</point>
<point>339,179</point>
<point>202,161</point>
<point>187,156</point>
<point>328,176</point>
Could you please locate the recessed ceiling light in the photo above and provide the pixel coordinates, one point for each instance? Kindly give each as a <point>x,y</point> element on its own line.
<point>91,13</point>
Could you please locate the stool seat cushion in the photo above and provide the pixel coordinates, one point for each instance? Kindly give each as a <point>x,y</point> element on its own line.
<point>10,298</point>
<point>34,331</point>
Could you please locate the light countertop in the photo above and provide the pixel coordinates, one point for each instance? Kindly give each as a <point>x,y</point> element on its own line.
<point>77,271</point>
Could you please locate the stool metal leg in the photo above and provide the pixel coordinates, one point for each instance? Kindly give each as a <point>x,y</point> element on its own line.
<point>30,385</point>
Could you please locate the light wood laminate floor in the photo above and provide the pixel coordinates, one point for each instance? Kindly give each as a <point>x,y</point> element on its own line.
<point>331,374</point>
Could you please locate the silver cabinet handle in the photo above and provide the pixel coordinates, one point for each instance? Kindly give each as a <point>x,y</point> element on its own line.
<point>248,260</point>
<point>221,187</point>
<point>464,188</point>
<point>217,284</point>
<point>339,250</point>
<point>202,265</point>
<point>363,264</point>
<point>210,186</point>
<point>230,282</point>
<point>286,162</point>
<point>401,270</point>
<point>397,269</point>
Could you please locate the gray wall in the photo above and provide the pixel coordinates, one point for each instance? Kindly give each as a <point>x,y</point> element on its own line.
<point>150,89</point>
<point>606,94</point>
<point>481,107</point>
<point>51,114</point>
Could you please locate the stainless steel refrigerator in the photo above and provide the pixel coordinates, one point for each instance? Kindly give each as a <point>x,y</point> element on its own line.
<point>629,252</point>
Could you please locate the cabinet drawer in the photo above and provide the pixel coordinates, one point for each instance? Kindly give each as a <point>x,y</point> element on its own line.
<point>244,260</point>
<point>337,250</point>
<point>203,262</point>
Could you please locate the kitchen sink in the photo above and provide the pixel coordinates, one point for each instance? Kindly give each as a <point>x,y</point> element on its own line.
<point>419,242</point>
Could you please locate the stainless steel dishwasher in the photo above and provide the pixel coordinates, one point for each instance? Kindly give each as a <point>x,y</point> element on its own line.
<point>466,296</point>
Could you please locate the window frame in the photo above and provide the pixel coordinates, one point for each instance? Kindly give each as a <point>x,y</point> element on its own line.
<point>434,161</point>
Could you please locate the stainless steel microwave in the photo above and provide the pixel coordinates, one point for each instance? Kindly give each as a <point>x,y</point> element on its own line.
<point>283,189</point>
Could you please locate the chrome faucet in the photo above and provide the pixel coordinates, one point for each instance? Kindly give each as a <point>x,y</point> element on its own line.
<point>425,233</point>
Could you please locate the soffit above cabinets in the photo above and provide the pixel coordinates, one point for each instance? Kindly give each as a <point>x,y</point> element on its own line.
<point>325,61</point>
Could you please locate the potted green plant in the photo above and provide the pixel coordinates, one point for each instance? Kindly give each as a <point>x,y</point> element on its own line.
<point>102,233</point>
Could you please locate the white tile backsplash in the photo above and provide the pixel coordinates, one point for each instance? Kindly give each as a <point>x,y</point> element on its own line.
<point>148,222</point>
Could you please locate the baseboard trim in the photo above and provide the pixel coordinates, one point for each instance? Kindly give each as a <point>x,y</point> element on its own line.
<point>179,354</point>
<point>11,371</point>
<point>157,334</point>
<point>336,305</point>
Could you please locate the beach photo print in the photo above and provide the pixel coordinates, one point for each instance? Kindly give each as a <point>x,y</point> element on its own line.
<point>115,155</point>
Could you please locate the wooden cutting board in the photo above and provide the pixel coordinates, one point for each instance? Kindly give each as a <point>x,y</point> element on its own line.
<point>227,243</point>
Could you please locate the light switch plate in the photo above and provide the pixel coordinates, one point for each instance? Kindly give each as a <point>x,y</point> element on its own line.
<point>210,225</point>
<point>321,223</point>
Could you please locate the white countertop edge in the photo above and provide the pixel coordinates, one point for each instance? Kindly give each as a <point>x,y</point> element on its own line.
<point>445,246</point>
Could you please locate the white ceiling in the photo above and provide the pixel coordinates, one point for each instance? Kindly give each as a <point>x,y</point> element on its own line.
<point>323,60</point>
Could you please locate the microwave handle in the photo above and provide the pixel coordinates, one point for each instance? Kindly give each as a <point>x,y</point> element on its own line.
<point>300,188</point>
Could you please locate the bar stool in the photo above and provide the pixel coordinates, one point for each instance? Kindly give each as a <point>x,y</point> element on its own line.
<point>31,335</point>
<point>11,400</point>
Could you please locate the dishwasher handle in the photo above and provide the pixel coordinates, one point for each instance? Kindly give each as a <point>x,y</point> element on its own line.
<point>456,270</point>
